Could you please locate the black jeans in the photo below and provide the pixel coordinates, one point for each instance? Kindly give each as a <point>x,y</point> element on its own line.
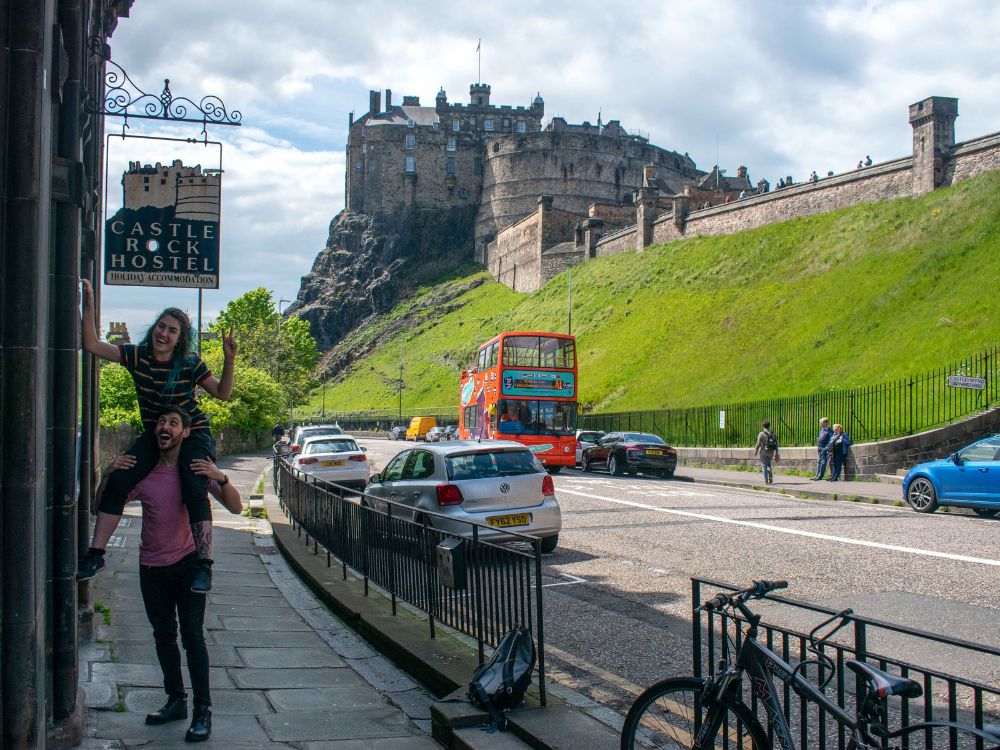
<point>821,462</point>
<point>167,595</point>
<point>194,488</point>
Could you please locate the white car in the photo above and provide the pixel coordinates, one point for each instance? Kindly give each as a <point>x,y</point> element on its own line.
<point>300,433</point>
<point>497,483</point>
<point>337,459</point>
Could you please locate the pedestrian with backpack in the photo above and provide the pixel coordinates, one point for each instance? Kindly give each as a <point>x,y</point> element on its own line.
<point>767,450</point>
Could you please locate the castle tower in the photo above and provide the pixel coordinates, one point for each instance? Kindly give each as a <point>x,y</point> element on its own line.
<point>933,121</point>
<point>479,94</point>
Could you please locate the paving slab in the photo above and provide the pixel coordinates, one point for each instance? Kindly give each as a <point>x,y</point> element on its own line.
<point>271,679</point>
<point>144,701</point>
<point>353,723</point>
<point>295,658</point>
<point>356,696</point>
<point>376,743</point>
<point>133,652</point>
<point>265,624</point>
<point>148,674</point>
<point>260,637</point>
<point>130,726</point>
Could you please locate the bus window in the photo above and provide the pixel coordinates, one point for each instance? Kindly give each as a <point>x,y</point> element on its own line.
<point>557,353</point>
<point>536,417</point>
<point>494,352</point>
<point>521,351</point>
<point>482,358</point>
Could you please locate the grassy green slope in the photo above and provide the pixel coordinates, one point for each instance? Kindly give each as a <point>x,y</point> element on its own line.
<point>851,297</point>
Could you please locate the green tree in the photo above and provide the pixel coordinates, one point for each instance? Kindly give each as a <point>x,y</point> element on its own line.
<point>117,400</point>
<point>284,349</point>
<point>257,403</point>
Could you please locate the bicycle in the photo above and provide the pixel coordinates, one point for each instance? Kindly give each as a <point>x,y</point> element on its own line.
<point>709,712</point>
<point>280,450</point>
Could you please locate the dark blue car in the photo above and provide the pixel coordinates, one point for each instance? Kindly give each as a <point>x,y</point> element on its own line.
<point>969,478</point>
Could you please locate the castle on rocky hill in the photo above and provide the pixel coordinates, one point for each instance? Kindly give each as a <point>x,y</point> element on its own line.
<point>500,159</point>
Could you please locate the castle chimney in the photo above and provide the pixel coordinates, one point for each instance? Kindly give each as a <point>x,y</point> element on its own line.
<point>388,100</point>
<point>648,174</point>
<point>350,119</point>
<point>741,172</point>
<point>374,102</point>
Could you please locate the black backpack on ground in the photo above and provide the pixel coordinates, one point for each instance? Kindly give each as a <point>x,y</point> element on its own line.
<point>499,684</point>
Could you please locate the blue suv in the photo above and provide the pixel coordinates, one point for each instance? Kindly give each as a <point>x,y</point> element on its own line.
<point>969,478</point>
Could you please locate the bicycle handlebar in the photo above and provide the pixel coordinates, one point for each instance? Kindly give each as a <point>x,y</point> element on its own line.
<point>757,591</point>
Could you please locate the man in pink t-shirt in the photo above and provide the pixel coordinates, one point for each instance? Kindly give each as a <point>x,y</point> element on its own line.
<point>168,562</point>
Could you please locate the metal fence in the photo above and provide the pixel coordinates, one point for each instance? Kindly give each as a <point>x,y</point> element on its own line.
<point>878,412</point>
<point>498,585</point>
<point>946,697</point>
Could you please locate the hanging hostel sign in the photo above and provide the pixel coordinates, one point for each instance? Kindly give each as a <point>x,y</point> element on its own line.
<point>167,232</point>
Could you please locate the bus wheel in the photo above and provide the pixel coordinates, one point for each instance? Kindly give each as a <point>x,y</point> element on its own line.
<point>553,469</point>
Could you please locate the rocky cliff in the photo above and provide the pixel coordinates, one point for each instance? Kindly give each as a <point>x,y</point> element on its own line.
<point>371,263</point>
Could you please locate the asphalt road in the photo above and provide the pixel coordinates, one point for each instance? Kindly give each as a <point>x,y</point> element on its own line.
<point>618,587</point>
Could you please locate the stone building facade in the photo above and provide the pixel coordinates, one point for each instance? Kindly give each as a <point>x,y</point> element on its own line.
<point>412,156</point>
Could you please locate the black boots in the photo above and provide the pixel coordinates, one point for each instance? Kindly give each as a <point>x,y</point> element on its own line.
<point>175,708</point>
<point>201,725</point>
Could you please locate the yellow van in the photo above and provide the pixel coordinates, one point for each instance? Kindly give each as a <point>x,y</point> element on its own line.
<point>419,427</point>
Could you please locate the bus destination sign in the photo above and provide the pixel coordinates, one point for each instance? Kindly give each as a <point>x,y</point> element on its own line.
<point>536,383</point>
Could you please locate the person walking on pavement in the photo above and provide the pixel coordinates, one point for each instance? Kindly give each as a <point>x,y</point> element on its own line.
<point>767,449</point>
<point>166,373</point>
<point>839,445</point>
<point>168,563</point>
<point>823,447</point>
<point>278,432</point>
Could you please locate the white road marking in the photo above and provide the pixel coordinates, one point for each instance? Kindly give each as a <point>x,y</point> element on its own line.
<point>794,532</point>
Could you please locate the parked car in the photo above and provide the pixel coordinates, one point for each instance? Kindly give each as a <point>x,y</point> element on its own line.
<point>498,483</point>
<point>436,435</point>
<point>300,433</point>
<point>419,427</point>
<point>583,439</point>
<point>337,459</point>
<point>969,478</point>
<point>398,432</point>
<point>630,453</point>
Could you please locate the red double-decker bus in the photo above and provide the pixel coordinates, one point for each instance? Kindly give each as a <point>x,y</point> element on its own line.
<point>524,387</point>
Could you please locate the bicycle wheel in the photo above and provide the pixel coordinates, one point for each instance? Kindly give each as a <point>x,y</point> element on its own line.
<point>670,714</point>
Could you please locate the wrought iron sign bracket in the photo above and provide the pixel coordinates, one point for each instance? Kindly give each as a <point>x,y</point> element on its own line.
<point>123,98</point>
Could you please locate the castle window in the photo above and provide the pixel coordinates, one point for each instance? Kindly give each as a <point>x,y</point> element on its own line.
<point>452,144</point>
<point>435,126</point>
<point>521,126</point>
<point>479,166</point>
<point>145,188</point>
<point>463,193</point>
<point>411,164</point>
<point>456,125</point>
<point>488,126</point>
<point>145,180</point>
<point>411,140</point>
<point>411,124</point>
<point>451,165</point>
<point>506,123</point>
<point>496,148</point>
<point>163,182</point>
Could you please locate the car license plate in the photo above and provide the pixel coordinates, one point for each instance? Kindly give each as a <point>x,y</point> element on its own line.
<point>654,453</point>
<point>327,464</point>
<point>515,519</point>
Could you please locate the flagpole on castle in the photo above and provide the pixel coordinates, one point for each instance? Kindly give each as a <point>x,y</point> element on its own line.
<point>479,54</point>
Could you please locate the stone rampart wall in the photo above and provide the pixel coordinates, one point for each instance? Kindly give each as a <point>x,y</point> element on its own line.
<point>970,158</point>
<point>559,258</point>
<point>623,239</point>
<point>514,257</point>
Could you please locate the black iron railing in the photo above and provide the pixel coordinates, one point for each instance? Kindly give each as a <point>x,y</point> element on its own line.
<point>498,585</point>
<point>969,699</point>
<point>869,413</point>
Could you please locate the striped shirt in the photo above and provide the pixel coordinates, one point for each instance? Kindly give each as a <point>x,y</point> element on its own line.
<point>155,392</point>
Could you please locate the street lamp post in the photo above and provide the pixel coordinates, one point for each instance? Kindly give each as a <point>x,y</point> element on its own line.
<point>277,364</point>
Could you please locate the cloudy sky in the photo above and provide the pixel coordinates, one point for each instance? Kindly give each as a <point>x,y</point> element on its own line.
<point>782,87</point>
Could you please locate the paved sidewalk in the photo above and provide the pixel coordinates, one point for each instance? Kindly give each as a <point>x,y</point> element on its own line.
<point>884,492</point>
<point>285,672</point>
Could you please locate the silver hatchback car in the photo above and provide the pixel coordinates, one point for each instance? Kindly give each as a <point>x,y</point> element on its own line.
<point>497,483</point>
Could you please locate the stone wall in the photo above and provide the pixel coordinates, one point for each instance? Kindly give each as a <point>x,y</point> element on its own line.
<point>561,257</point>
<point>514,257</point>
<point>866,459</point>
<point>616,242</point>
<point>227,443</point>
<point>973,157</point>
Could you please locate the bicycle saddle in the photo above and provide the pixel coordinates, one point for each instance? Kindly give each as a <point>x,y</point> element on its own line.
<point>885,684</point>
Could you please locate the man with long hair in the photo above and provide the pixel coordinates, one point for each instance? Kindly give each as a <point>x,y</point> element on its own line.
<point>166,373</point>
